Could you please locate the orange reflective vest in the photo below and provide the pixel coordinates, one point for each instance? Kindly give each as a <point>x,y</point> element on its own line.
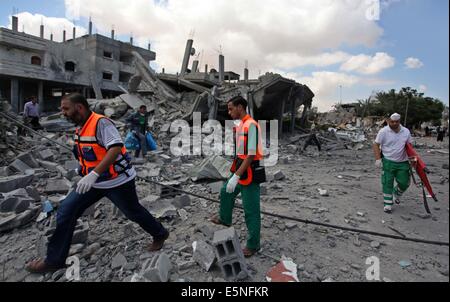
<point>90,153</point>
<point>241,149</point>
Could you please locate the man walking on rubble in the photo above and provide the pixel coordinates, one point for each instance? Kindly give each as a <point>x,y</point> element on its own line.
<point>107,172</point>
<point>248,174</point>
<point>390,155</point>
<point>139,125</point>
<point>31,114</point>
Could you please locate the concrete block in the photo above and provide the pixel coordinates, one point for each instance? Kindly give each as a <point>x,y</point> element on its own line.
<point>71,164</point>
<point>57,186</point>
<point>234,270</point>
<point>181,201</point>
<point>11,183</point>
<point>28,159</point>
<point>118,261</point>
<point>204,254</point>
<point>19,166</point>
<point>278,175</point>
<point>158,269</point>
<point>51,166</point>
<point>227,245</point>
<point>20,219</point>
<point>46,154</point>
<point>81,233</point>
<point>165,192</point>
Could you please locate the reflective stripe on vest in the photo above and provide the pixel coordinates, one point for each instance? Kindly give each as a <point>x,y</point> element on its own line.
<point>91,153</point>
<point>241,147</point>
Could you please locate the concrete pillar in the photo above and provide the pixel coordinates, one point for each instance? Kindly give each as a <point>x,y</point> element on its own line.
<point>131,40</point>
<point>112,34</point>
<point>187,55</point>
<point>221,68</point>
<point>40,96</point>
<point>74,33</point>
<point>194,66</point>
<point>206,68</point>
<point>163,70</point>
<point>90,27</point>
<point>42,32</point>
<point>15,23</point>
<point>15,95</point>
<point>149,46</point>
<point>246,74</point>
<point>51,37</point>
<point>64,35</point>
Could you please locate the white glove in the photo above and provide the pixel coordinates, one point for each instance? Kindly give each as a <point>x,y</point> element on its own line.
<point>378,163</point>
<point>232,183</point>
<point>86,183</point>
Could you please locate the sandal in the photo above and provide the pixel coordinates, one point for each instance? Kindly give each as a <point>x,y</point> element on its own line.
<point>216,220</point>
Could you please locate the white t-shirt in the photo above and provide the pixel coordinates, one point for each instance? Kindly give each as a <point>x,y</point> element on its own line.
<point>108,136</point>
<point>393,144</point>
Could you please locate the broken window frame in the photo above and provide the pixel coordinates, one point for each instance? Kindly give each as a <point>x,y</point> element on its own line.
<point>70,63</point>
<point>110,75</point>
<point>36,60</point>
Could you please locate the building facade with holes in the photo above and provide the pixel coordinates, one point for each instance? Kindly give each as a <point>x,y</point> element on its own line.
<point>94,65</point>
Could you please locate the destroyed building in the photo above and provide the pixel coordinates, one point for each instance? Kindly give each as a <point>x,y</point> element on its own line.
<point>94,65</point>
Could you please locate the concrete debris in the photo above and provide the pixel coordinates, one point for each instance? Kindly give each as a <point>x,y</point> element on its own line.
<point>158,268</point>
<point>203,254</point>
<point>181,201</point>
<point>57,186</point>
<point>11,183</point>
<point>279,175</point>
<point>215,167</point>
<point>230,257</point>
<point>118,261</point>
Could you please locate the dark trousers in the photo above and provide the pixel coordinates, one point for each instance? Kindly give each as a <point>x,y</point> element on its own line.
<point>143,144</point>
<point>124,197</point>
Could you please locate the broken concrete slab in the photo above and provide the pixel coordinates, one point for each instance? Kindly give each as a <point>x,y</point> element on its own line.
<point>28,159</point>
<point>118,261</point>
<point>46,155</point>
<point>158,269</point>
<point>51,166</point>
<point>204,254</point>
<point>71,165</point>
<point>19,166</point>
<point>215,167</point>
<point>279,175</point>
<point>162,209</point>
<point>57,186</point>
<point>19,219</point>
<point>11,183</point>
<point>181,201</point>
<point>132,100</point>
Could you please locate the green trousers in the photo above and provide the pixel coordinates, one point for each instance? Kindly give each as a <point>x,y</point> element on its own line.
<point>400,172</point>
<point>252,210</point>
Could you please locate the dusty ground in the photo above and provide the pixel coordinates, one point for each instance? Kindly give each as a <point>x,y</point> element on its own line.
<point>353,185</point>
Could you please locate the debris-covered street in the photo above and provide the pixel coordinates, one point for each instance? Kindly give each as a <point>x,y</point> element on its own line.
<point>121,163</point>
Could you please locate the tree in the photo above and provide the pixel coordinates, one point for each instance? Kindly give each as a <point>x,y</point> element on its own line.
<point>420,108</point>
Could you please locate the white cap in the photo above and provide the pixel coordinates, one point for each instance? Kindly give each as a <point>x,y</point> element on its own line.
<point>395,117</point>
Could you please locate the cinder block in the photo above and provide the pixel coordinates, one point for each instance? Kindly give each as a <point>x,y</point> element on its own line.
<point>234,270</point>
<point>227,245</point>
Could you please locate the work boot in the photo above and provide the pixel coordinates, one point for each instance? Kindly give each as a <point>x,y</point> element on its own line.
<point>157,244</point>
<point>216,220</point>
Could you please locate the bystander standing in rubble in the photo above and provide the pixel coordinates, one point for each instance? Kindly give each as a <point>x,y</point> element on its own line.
<point>31,114</point>
<point>247,177</point>
<point>107,172</point>
<point>138,123</point>
<point>390,155</point>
